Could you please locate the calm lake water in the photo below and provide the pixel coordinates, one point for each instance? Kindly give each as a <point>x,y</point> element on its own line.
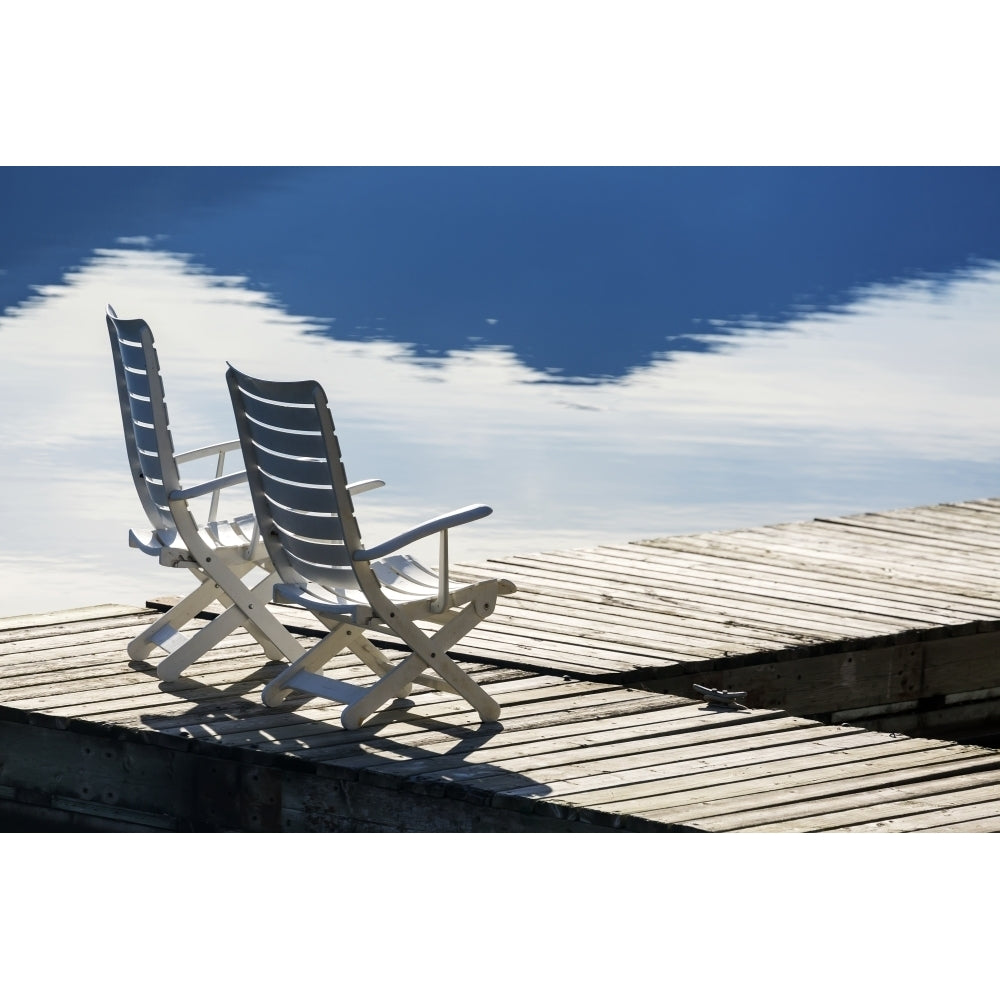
<point>599,354</point>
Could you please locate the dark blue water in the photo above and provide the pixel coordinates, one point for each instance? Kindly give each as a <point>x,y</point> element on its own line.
<point>585,273</point>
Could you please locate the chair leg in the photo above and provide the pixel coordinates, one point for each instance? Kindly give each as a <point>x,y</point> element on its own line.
<point>271,651</point>
<point>430,653</point>
<point>275,639</point>
<point>341,636</point>
<point>433,650</point>
<point>374,658</point>
<point>279,688</point>
<point>429,657</point>
<point>384,690</point>
<point>258,599</point>
<point>164,632</point>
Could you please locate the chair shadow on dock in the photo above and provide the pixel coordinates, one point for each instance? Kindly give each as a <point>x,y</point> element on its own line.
<point>423,739</point>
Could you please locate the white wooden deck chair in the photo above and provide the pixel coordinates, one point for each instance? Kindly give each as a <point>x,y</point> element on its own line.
<point>220,553</point>
<point>308,524</point>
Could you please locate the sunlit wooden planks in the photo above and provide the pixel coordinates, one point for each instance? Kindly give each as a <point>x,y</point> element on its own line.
<point>742,596</point>
<point>702,597</point>
<point>883,614</point>
<point>569,754</point>
<point>895,612</point>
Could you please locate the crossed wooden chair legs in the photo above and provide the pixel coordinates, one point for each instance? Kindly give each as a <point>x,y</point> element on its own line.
<point>248,609</point>
<point>428,663</point>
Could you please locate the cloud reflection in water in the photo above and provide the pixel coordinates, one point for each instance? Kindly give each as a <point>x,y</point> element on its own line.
<point>889,401</point>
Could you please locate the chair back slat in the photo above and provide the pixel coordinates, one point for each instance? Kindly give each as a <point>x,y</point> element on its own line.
<point>141,410</point>
<point>138,382</point>
<point>337,577</point>
<point>148,441</point>
<point>132,353</point>
<point>296,478</point>
<point>284,468</point>
<point>304,523</point>
<point>302,445</point>
<point>295,496</point>
<point>281,410</point>
<point>322,552</point>
<point>145,438</point>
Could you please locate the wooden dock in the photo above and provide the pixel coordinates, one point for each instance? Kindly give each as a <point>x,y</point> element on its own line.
<point>891,618</point>
<point>860,641</point>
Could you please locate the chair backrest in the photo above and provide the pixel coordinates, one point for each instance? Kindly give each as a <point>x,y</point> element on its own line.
<point>297,479</point>
<point>144,417</point>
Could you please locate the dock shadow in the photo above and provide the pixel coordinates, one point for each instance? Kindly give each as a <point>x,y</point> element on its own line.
<point>429,751</point>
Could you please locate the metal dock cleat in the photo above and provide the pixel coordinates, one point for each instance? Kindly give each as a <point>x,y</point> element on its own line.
<point>723,699</point>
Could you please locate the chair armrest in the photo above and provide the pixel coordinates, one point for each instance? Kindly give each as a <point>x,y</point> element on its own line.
<point>461,516</point>
<point>220,483</point>
<point>364,485</point>
<point>207,451</point>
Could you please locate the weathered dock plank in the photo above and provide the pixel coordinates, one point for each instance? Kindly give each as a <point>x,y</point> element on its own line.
<point>854,760</point>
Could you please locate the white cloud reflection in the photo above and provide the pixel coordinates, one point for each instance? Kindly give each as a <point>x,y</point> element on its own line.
<point>890,402</point>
